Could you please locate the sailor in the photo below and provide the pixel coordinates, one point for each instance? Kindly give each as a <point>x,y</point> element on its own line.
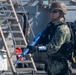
<point>55,40</point>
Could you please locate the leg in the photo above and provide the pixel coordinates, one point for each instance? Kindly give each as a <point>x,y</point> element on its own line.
<point>48,72</point>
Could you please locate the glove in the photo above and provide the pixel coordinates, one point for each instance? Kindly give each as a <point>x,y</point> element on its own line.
<point>32,49</point>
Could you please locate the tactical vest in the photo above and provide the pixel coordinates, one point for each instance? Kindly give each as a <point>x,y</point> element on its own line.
<point>46,38</point>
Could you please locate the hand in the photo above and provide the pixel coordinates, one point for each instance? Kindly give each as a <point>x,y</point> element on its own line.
<point>32,49</point>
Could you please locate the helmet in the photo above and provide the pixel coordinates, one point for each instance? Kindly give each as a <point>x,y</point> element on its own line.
<point>58,5</point>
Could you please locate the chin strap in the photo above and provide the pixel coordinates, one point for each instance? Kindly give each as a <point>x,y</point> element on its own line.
<point>54,20</point>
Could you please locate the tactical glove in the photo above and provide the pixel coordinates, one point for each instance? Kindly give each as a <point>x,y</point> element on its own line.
<point>33,49</point>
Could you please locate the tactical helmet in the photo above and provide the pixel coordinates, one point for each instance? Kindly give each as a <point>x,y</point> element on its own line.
<point>58,5</point>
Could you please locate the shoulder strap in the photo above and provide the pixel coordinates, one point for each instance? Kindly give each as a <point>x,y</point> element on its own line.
<point>62,23</point>
<point>72,32</point>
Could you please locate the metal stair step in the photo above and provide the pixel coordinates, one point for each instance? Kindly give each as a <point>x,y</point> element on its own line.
<point>22,69</point>
<point>25,61</point>
<point>2,20</point>
<point>27,73</point>
<point>12,31</point>
<point>27,55</point>
<point>5,4</point>
<point>9,24</point>
<point>20,39</point>
<point>6,11</point>
<point>9,18</point>
<point>22,46</point>
<point>25,69</point>
<point>6,24</point>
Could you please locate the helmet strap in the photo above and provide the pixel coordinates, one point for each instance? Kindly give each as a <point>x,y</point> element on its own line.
<point>55,19</point>
<point>58,17</point>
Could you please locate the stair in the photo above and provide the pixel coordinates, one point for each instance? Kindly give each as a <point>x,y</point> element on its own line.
<point>13,37</point>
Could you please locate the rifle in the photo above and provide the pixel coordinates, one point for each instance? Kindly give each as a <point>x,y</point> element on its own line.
<point>33,43</point>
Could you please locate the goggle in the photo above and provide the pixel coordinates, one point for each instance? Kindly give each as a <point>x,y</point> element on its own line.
<point>55,11</point>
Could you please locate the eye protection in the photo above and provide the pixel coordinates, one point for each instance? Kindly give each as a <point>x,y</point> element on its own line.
<point>55,11</point>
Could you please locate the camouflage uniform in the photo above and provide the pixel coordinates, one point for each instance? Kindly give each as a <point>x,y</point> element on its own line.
<point>54,38</point>
<point>62,35</point>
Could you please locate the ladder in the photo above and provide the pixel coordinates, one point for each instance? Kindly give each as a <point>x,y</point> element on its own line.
<point>13,37</point>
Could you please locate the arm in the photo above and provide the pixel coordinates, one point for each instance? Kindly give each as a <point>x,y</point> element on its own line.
<point>61,36</point>
<point>58,39</point>
<point>33,43</point>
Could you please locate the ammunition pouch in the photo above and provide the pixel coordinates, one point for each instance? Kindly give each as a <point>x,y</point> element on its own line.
<point>61,60</point>
<point>64,52</point>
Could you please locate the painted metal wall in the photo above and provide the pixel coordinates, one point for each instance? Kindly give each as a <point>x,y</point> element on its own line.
<point>39,16</point>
